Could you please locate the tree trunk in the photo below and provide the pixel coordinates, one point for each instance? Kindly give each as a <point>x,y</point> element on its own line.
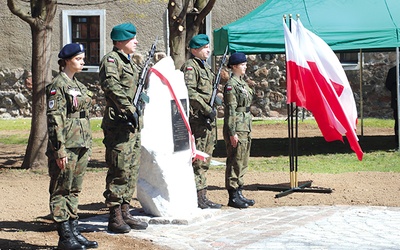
<point>40,18</point>
<point>35,155</point>
<point>185,21</point>
<point>177,10</point>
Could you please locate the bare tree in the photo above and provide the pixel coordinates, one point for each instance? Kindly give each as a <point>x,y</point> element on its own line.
<point>39,15</point>
<point>185,20</point>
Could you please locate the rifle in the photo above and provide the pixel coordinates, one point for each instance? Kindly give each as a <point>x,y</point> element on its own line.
<point>141,96</point>
<point>214,97</point>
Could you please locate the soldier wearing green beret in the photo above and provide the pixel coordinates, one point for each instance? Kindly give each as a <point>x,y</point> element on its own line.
<point>121,126</point>
<point>237,130</point>
<point>69,146</point>
<point>199,81</point>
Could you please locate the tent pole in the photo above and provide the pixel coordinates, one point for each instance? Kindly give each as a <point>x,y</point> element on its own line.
<point>398,88</point>
<point>360,59</point>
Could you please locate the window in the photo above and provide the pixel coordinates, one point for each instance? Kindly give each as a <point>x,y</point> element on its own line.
<point>88,28</point>
<point>348,57</point>
<point>350,61</point>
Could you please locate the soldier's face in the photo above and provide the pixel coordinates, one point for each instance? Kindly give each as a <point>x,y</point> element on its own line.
<point>240,69</point>
<point>76,63</point>
<point>128,46</point>
<point>203,52</point>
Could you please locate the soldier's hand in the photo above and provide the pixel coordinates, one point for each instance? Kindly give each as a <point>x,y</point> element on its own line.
<point>210,119</point>
<point>133,121</point>
<point>234,140</point>
<point>212,115</point>
<point>62,162</point>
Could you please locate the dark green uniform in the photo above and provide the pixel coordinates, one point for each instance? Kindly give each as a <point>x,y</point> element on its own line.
<point>199,81</point>
<point>237,120</point>
<point>119,78</point>
<point>68,105</point>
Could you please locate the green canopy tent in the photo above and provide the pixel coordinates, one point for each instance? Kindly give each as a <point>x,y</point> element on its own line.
<point>367,25</point>
<point>356,25</point>
<point>344,25</point>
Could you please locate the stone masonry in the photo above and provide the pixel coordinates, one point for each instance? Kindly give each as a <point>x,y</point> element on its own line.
<point>265,74</point>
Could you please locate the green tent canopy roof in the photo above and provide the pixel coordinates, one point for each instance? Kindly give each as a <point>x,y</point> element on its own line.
<point>346,25</point>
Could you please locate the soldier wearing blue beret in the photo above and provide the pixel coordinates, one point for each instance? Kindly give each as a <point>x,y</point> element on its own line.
<point>69,145</point>
<point>199,80</point>
<point>119,77</point>
<point>71,50</point>
<point>237,128</point>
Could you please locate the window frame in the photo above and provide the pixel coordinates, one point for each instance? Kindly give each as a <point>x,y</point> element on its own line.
<point>352,64</point>
<point>67,31</point>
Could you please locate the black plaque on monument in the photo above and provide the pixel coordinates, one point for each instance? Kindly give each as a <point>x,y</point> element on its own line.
<point>180,133</point>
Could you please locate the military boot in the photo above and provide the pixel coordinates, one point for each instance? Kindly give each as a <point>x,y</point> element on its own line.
<point>116,223</point>
<point>251,202</point>
<point>200,199</point>
<point>67,240</point>
<point>209,203</point>
<point>79,237</point>
<point>235,201</point>
<point>130,220</point>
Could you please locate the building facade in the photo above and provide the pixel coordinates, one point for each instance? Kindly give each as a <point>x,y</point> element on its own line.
<point>90,23</point>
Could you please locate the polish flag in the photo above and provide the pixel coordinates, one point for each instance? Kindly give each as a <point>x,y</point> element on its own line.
<point>317,82</point>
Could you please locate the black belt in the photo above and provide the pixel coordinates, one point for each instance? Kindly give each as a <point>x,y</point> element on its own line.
<point>243,109</point>
<point>81,114</point>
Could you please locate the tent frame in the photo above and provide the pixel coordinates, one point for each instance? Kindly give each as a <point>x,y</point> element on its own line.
<point>398,91</point>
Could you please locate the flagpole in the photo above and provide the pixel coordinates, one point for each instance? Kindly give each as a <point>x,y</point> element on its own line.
<point>292,144</point>
<point>398,88</point>
<point>292,110</point>
<point>360,59</point>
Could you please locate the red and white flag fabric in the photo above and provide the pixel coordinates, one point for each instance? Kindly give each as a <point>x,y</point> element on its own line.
<point>317,82</point>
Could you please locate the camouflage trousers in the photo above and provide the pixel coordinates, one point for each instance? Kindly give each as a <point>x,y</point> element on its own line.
<point>123,160</point>
<point>237,160</point>
<point>66,184</point>
<point>205,142</point>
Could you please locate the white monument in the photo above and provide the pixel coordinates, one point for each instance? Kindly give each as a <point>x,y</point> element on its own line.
<point>166,184</point>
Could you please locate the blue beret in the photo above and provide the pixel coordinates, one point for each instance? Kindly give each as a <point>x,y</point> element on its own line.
<point>199,41</point>
<point>123,32</point>
<point>237,58</point>
<point>71,50</point>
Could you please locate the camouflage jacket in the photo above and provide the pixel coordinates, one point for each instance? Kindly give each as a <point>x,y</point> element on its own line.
<point>199,80</point>
<point>119,77</point>
<point>68,106</point>
<point>237,99</point>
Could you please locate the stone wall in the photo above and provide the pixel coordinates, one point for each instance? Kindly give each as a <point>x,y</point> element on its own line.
<point>265,74</point>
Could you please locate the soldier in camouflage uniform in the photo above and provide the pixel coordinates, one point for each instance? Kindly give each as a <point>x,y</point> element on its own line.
<point>199,80</point>
<point>69,147</point>
<point>121,126</point>
<point>237,129</point>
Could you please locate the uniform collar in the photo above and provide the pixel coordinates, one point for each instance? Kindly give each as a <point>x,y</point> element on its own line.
<point>239,79</point>
<point>127,56</point>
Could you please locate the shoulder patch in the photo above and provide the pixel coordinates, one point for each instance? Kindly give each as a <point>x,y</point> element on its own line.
<point>110,59</point>
<point>52,105</point>
<point>228,88</point>
<point>53,92</point>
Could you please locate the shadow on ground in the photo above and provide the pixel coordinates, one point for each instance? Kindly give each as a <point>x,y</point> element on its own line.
<point>24,226</point>
<point>268,147</point>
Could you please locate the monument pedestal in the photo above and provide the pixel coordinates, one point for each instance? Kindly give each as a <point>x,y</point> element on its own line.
<point>166,184</point>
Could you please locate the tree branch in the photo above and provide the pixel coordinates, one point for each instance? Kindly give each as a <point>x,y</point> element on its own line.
<point>19,12</point>
<point>204,12</point>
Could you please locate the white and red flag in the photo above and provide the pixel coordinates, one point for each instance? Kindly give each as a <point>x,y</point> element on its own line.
<point>317,82</point>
